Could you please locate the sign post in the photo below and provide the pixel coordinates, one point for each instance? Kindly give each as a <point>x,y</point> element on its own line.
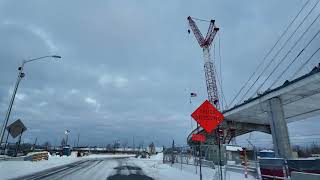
<point>208,117</point>
<point>16,129</point>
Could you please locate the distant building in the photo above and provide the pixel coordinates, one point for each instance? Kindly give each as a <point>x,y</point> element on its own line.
<point>233,154</point>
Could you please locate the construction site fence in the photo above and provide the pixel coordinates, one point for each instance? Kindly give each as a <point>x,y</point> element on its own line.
<point>188,155</point>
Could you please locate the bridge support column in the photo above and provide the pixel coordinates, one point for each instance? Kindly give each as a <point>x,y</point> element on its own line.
<point>279,129</point>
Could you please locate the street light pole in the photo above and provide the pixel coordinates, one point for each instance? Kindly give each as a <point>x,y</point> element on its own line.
<point>20,76</point>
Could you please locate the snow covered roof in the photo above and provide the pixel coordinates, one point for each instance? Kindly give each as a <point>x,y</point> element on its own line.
<point>233,148</point>
<point>267,151</point>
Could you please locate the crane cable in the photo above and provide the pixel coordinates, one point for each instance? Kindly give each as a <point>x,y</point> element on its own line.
<point>198,19</point>
<point>219,76</point>
<point>289,53</point>
<point>272,60</point>
<point>269,52</point>
<point>220,62</point>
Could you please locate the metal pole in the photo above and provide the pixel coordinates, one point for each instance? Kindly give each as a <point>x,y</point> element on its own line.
<point>200,160</point>
<point>34,145</point>
<point>172,155</point>
<point>18,144</point>
<point>181,159</point>
<point>5,123</point>
<point>5,145</point>
<point>78,139</point>
<point>199,154</point>
<point>195,158</point>
<point>66,140</point>
<point>220,163</point>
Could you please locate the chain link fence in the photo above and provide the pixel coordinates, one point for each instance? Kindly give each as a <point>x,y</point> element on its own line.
<point>190,155</point>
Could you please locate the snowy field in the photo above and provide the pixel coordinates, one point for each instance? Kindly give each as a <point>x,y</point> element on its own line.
<point>104,166</point>
<point>11,169</point>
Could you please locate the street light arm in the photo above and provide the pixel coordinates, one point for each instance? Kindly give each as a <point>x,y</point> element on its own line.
<point>53,56</point>
<point>20,76</point>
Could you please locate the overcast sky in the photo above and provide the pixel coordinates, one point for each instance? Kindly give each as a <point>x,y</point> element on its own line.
<point>128,66</point>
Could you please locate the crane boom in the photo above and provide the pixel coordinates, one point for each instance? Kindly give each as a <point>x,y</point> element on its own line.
<point>196,31</point>
<point>209,69</point>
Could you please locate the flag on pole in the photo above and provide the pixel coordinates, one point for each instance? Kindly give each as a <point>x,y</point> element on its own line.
<point>193,94</point>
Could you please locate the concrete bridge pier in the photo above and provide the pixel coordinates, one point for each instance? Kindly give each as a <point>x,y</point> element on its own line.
<point>279,129</point>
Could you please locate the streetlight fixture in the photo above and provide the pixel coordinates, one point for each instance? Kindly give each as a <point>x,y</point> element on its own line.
<point>20,76</point>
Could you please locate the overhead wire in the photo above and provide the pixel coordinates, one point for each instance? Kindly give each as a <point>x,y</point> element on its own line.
<point>289,53</point>
<point>282,47</point>
<point>269,52</point>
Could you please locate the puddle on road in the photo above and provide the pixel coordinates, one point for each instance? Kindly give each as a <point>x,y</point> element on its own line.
<point>135,174</point>
<point>129,177</point>
<point>128,167</point>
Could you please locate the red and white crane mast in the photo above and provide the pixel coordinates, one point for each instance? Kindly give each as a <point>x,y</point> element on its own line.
<point>209,69</point>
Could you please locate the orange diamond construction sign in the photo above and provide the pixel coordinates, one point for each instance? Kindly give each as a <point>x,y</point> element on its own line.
<point>207,116</point>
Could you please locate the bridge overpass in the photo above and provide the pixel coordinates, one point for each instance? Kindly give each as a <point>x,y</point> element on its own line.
<point>270,111</point>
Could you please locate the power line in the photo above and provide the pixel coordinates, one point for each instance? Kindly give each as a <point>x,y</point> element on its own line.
<point>269,52</point>
<point>289,53</point>
<point>273,58</point>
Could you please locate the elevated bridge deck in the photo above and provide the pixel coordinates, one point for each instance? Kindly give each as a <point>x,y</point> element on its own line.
<point>300,99</point>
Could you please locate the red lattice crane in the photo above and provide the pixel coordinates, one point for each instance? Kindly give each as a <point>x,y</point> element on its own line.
<point>205,44</point>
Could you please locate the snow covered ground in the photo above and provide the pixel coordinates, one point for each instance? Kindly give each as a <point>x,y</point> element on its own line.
<point>11,169</point>
<point>104,166</point>
<point>159,171</point>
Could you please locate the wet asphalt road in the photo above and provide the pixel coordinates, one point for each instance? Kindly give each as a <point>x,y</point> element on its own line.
<point>93,169</point>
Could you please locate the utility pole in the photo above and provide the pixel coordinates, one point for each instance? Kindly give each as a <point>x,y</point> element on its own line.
<point>220,135</point>
<point>67,135</point>
<point>200,154</point>
<point>34,144</point>
<point>78,139</point>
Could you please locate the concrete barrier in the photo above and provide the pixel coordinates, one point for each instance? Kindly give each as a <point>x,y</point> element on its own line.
<point>304,176</point>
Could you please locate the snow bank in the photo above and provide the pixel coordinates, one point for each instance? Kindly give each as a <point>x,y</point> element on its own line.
<point>154,168</point>
<point>158,157</point>
<point>234,148</point>
<point>11,169</point>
